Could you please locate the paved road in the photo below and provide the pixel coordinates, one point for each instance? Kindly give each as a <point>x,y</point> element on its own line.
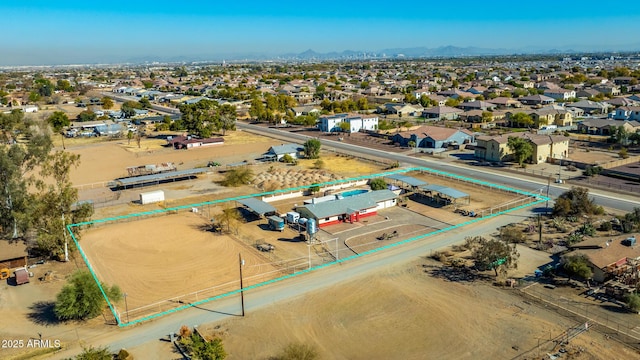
<point>287,290</point>
<point>610,200</point>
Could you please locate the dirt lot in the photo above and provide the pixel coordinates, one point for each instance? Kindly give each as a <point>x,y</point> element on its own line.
<point>105,161</point>
<point>161,258</point>
<point>406,313</point>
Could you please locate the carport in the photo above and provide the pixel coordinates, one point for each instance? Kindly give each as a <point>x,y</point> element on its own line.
<point>406,182</point>
<point>258,207</point>
<point>447,195</point>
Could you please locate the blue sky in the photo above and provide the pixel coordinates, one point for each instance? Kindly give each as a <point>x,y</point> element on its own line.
<point>45,32</point>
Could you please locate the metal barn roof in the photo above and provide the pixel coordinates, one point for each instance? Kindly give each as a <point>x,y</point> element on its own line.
<point>258,206</point>
<point>447,191</point>
<point>155,178</point>
<point>407,180</point>
<point>349,205</point>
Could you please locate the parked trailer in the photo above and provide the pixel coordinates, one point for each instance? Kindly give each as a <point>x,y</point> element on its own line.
<point>22,276</point>
<point>151,197</point>
<point>276,223</point>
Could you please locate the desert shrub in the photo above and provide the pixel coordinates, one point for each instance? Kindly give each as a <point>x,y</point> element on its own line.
<point>605,226</point>
<point>577,265</point>
<point>318,164</point>
<point>574,202</point>
<point>288,159</point>
<point>237,177</point>
<point>298,351</point>
<point>632,301</point>
<point>123,355</point>
<point>593,170</point>
<point>511,234</point>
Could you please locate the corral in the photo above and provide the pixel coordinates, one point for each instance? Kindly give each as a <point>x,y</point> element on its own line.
<point>168,260</point>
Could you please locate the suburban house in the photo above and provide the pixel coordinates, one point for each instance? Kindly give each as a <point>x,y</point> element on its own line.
<point>188,142</point>
<point>627,113</point>
<point>560,94</point>
<point>434,137</point>
<point>590,107</point>
<point>477,117</point>
<point>606,257</point>
<point>608,89</point>
<point>621,101</point>
<point>495,148</point>
<point>356,123</point>
<point>401,109</point>
<point>441,113</point>
<point>606,126</point>
<point>552,115</point>
<point>349,209</point>
<point>537,100</point>
<point>587,93</point>
<point>505,102</point>
<point>279,151</point>
<point>477,105</point>
<point>305,110</point>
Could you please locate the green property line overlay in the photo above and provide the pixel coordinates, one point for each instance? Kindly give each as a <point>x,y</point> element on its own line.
<point>541,199</point>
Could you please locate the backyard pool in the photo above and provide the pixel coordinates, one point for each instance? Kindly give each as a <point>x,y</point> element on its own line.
<point>354,192</point>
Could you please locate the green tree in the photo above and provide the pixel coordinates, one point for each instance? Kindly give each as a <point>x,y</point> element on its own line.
<point>575,202</point>
<point>257,109</point>
<point>521,119</point>
<point>577,265</point>
<point>633,302</point>
<point>231,217</point>
<point>492,254</point>
<point>129,137</point>
<point>487,116</point>
<point>377,184</point>
<point>56,205</point>
<point>58,121</point>
<point>318,164</point>
<point>145,103</point>
<point>81,298</point>
<point>312,148</point>
<point>107,103</point>
<point>206,116</point>
<point>92,353</point>
<point>64,85</point>
<point>87,115</point>
<point>200,349</point>
<point>521,148</point>
<point>129,108</point>
<point>345,127</point>
<point>17,164</point>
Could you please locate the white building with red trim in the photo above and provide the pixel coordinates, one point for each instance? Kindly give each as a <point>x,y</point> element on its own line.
<point>348,209</point>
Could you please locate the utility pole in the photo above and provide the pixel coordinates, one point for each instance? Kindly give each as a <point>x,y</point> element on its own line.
<point>548,186</point>
<point>241,263</point>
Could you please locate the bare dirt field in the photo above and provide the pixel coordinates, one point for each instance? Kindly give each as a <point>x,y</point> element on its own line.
<point>160,258</point>
<point>405,312</point>
<point>105,161</point>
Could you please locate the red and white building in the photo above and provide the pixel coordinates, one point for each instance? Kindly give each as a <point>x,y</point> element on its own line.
<point>349,209</point>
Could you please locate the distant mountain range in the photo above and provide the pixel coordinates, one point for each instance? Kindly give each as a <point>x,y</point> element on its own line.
<point>309,55</point>
<point>391,53</point>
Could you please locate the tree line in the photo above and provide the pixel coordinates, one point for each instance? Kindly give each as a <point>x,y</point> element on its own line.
<point>37,198</point>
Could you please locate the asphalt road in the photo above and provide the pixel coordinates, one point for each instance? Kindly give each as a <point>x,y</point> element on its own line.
<point>610,200</point>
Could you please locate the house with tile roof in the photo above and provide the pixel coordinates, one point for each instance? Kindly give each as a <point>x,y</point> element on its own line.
<point>495,148</point>
<point>434,137</point>
<point>441,113</point>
